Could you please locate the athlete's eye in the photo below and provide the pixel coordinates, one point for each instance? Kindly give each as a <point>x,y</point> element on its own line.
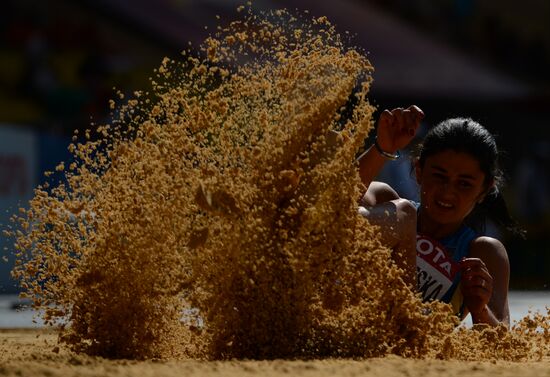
<point>465,184</point>
<point>439,176</point>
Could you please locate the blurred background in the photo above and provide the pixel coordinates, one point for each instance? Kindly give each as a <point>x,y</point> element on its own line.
<point>489,60</point>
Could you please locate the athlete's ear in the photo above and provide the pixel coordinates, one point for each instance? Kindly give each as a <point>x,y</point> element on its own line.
<point>417,171</point>
<point>491,188</point>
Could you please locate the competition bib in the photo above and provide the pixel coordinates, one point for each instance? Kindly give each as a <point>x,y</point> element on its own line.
<point>436,270</point>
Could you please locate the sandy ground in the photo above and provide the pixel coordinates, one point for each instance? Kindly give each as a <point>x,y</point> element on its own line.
<point>34,353</point>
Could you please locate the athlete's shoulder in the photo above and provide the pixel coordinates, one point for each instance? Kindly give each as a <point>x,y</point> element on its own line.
<point>488,247</point>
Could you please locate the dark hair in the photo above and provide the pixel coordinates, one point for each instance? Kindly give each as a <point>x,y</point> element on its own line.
<point>467,136</point>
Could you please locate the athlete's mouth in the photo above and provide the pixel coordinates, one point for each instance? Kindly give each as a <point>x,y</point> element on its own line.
<point>443,204</point>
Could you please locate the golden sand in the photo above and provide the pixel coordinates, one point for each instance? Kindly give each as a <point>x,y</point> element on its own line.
<point>216,219</point>
<point>35,353</point>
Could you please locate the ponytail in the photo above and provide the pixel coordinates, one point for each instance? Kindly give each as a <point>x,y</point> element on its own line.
<point>494,208</point>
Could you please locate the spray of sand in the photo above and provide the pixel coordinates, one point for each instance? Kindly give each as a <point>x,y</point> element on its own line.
<point>216,217</point>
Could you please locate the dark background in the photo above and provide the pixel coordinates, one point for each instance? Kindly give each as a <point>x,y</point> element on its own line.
<point>489,60</point>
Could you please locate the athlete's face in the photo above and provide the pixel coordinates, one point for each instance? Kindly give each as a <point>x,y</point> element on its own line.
<point>451,184</point>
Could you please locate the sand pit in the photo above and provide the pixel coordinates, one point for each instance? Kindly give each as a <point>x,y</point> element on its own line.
<point>215,218</point>
<point>34,353</point>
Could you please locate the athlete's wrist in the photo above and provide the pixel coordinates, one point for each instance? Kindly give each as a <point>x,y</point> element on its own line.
<point>480,314</point>
<point>389,154</point>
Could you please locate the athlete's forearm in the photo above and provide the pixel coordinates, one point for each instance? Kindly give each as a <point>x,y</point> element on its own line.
<point>370,164</point>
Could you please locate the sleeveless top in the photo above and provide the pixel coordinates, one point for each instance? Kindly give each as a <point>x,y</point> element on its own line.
<point>438,266</point>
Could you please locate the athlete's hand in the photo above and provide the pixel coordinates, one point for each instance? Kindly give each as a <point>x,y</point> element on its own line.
<point>477,284</point>
<point>397,128</point>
